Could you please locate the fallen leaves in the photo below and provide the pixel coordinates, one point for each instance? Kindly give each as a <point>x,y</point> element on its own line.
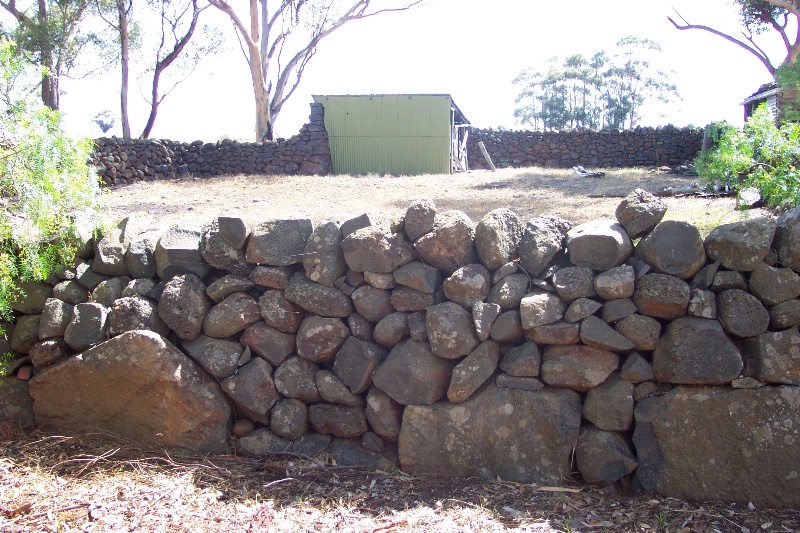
<point>58,483</point>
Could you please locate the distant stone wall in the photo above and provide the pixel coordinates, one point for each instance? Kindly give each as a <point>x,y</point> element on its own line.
<point>122,161</point>
<point>503,348</point>
<point>664,145</point>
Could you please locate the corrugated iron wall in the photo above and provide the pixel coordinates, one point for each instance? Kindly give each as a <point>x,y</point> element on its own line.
<point>393,134</point>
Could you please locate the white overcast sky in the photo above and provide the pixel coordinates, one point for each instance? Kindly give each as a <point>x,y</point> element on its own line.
<point>470,49</point>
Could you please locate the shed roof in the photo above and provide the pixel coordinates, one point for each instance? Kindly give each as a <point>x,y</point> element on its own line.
<point>765,91</point>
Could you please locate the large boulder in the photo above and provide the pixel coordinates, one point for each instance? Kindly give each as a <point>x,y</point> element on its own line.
<point>711,443</point>
<point>674,247</point>
<point>102,387</point>
<point>696,351</point>
<point>520,436</point>
<point>413,375</point>
<point>497,237</point>
<point>279,242</point>
<point>450,244</point>
<point>542,239</point>
<point>741,245</point>
<point>599,245</point>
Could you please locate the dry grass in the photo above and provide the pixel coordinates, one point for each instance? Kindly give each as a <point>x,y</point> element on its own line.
<point>101,483</point>
<point>527,191</point>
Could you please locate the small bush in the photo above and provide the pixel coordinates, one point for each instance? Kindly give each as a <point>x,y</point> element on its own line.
<point>46,184</point>
<point>763,156</point>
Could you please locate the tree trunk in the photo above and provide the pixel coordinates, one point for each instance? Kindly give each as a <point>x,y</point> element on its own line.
<point>151,120</point>
<point>50,78</point>
<point>124,45</point>
<point>50,91</point>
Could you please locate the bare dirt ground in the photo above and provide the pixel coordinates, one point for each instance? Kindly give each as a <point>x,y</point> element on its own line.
<point>99,483</point>
<point>529,192</point>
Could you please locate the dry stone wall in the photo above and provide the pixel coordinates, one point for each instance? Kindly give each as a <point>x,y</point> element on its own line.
<point>626,350</point>
<point>122,161</point>
<point>664,145</point>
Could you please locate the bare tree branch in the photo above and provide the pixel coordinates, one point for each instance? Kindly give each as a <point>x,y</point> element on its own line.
<point>753,50</point>
<point>268,38</point>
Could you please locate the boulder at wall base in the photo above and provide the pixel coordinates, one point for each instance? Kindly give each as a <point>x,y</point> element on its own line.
<point>102,388</point>
<point>710,443</point>
<point>521,436</point>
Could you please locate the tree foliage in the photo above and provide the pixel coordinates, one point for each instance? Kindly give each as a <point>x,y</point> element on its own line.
<point>51,35</point>
<point>280,40</point>
<point>762,155</point>
<point>46,185</point>
<point>603,91</point>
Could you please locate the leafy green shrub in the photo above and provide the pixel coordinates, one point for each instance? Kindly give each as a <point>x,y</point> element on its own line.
<point>762,156</point>
<point>46,184</point>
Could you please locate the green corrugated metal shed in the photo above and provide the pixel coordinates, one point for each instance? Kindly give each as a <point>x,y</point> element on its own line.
<point>394,133</point>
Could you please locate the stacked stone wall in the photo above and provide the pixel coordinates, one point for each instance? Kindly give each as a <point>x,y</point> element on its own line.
<point>664,145</point>
<point>122,161</point>
<point>437,345</point>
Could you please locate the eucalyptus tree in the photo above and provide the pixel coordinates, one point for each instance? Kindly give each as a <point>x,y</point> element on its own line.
<point>280,38</point>
<point>603,91</point>
<point>50,34</point>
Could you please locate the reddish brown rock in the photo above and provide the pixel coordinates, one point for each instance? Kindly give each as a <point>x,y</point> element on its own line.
<point>102,388</point>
